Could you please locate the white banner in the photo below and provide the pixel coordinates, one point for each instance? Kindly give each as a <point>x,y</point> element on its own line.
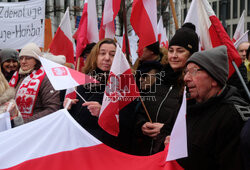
<point>5,121</point>
<point>21,23</point>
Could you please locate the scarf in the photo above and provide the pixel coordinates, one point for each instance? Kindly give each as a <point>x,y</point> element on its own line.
<point>28,91</point>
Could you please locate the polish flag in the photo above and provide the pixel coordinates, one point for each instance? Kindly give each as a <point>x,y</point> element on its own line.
<point>210,31</point>
<point>240,28</point>
<point>70,93</point>
<point>107,28</point>
<point>144,22</point>
<point>162,36</point>
<point>57,147</point>
<point>62,77</point>
<point>243,38</point>
<point>87,31</point>
<point>62,41</point>
<point>121,89</point>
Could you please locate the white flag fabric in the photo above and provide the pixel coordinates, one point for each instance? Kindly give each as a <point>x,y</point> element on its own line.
<point>58,142</point>
<point>5,121</point>
<point>178,138</point>
<point>62,77</point>
<point>240,28</point>
<point>243,38</point>
<point>162,35</point>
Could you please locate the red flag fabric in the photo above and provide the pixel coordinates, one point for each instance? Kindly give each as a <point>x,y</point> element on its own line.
<point>144,22</point>
<point>107,28</point>
<point>121,89</point>
<point>87,31</point>
<point>62,42</point>
<point>211,31</point>
<point>67,147</point>
<point>70,93</point>
<point>124,44</point>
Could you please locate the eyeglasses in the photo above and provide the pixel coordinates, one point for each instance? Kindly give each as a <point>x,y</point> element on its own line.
<point>192,71</point>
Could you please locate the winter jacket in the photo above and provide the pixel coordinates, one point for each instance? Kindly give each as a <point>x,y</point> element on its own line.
<point>162,106</point>
<point>48,99</point>
<point>245,144</point>
<point>94,92</point>
<point>213,132</point>
<point>6,97</point>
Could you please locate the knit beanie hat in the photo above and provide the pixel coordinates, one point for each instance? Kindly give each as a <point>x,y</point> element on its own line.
<point>29,49</point>
<point>214,61</point>
<point>8,54</point>
<point>60,59</point>
<point>186,37</point>
<point>155,48</point>
<point>88,49</point>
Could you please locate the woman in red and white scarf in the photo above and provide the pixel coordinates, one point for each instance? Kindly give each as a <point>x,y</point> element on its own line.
<point>35,96</point>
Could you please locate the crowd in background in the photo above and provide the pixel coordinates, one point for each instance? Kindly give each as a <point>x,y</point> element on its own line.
<point>218,127</point>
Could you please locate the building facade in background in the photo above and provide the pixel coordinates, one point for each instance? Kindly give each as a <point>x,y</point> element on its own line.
<point>55,10</point>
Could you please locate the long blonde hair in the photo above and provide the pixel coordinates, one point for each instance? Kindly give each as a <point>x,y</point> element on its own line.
<point>4,85</point>
<point>91,61</point>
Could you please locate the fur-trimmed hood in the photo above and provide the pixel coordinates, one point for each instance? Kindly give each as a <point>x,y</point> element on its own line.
<point>7,95</point>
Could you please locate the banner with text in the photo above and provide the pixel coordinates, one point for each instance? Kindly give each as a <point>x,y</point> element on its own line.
<point>21,23</point>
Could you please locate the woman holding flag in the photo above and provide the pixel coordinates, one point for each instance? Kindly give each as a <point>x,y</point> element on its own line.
<point>167,92</point>
<point>86,108</point>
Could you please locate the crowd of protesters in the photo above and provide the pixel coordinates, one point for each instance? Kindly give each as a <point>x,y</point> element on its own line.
<point>218,110</point>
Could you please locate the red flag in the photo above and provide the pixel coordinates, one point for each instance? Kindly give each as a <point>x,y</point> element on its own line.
<point>70,93</point>
<point>62,42</point>
<point>57,147</point>
<point>107,28</point>
<point>144,22</point>
<point>121,89</point>
<point>211,31</point>
<point>124,44</point>
<point>87,31</point>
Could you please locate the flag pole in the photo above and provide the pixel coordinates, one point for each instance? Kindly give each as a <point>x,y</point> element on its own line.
<point>126,31</point>
<point>150,120</point>
<point>241,79</point>
<point>174,14</point>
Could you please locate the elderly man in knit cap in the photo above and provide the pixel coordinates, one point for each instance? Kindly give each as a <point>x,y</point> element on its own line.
<point>9,62</point>
<point>215,113</point>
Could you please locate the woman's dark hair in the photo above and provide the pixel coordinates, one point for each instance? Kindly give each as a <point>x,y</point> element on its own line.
<point>248,51</point>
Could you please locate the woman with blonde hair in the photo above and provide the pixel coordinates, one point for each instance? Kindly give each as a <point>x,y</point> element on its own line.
<point>7,96</point>
<point>98,65</point>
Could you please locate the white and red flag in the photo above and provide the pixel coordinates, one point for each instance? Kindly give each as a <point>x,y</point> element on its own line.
<point>87,31</point>
<point>62,77</point>
<point>144,22</point>
<point>162,35</point>
<point>240,28</point>
<point>107,28</point>
<point>62,43</point>
<point>58,142</point>
<point>121,90</point>
<point>210,31</point>
<point>243,38</point>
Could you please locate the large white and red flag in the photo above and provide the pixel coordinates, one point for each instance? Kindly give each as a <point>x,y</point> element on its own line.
<point>144,21</point>
<point>121,90</point>
<point>58,142</point>
<point>210,31</point>
<point>87,31</point>
<point>107,28</point>
<point>62,43</point>
<point>240,27</point>
<point>162,35</point>
<point>62,77</point>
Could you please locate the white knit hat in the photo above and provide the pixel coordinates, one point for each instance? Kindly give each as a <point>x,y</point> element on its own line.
<point>60,59</point>
<point>30,50</point>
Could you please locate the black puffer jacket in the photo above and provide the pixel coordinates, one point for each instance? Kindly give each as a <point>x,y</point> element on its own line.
<point>92,92</point>
<point>163,106</point>
<point>213,132</point>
